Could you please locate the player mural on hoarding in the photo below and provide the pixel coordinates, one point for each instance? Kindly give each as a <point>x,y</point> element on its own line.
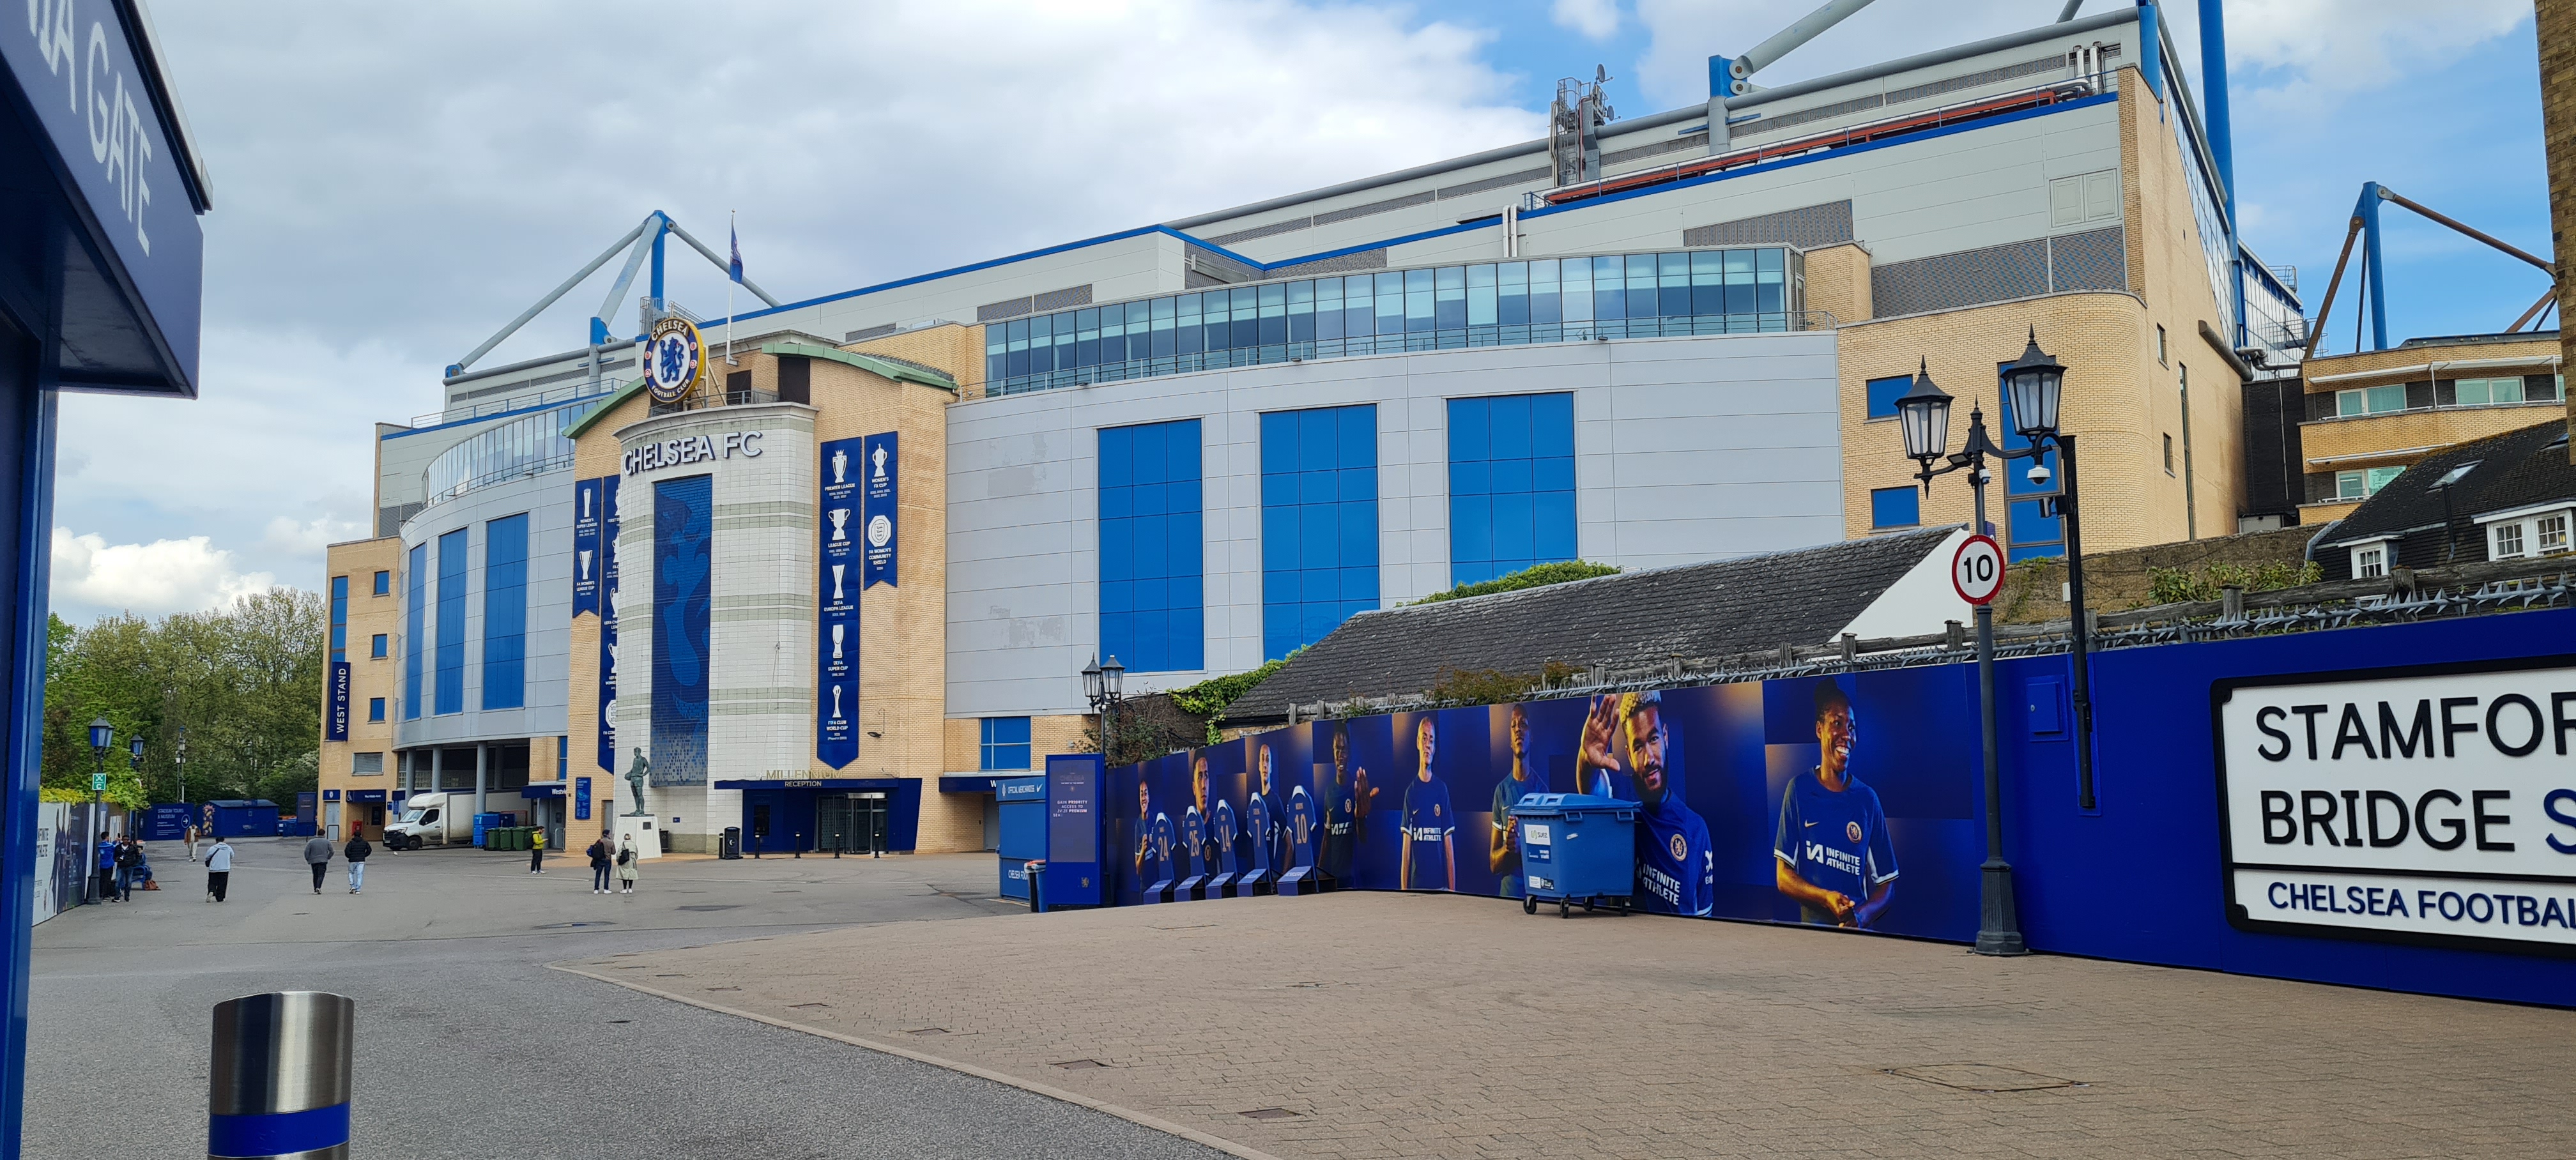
<point>1676,867</point>
<point>1504,852</point>
<point>1430,855</point>
<point>1835,857</point>
<point>1346,806</point>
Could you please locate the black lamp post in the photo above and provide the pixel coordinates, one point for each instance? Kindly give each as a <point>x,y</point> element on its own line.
<point>179,760</point>
<point>101,734</point>
<point>1104,686</point>
<point>2038,383</point>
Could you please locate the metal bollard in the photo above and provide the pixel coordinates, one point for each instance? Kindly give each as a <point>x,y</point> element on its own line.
<point>279,1084</point>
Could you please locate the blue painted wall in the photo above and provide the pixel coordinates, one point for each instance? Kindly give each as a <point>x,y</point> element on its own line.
<point>683,534</point>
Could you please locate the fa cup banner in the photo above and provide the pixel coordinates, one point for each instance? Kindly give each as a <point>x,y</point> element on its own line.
<point>836,644</point>
<point>2428,805</point>
<point>878,454</point>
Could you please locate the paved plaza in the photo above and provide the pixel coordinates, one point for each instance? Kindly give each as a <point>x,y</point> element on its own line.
<point>1384,1025</point>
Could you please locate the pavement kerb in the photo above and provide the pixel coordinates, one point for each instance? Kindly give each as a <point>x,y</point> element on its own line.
<point>1130,1115</point>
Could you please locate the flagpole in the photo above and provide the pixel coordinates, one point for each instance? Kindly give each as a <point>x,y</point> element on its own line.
<point>737,249</point>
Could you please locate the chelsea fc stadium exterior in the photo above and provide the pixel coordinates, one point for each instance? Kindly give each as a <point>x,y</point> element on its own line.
<point>828,591</point>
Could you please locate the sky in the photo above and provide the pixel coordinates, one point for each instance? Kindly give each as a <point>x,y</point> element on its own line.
<point>393,183</point>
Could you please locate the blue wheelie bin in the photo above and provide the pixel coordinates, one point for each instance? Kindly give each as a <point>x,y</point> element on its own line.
<point>1577,847</point>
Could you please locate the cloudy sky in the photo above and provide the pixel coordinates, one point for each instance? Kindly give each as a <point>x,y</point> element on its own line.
<point>394,182</point>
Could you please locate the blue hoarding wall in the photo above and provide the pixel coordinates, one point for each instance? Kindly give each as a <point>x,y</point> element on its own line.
<point>1855,800</point>
<point>683,575</point>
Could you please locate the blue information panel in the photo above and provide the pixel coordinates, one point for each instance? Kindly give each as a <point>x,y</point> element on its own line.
<point>836,644</point>
<point>1073,867</point>
<point>581,799</point>
<point>337,728</point>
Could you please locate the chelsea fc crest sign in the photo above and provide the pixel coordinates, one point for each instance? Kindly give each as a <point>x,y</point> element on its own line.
<point>674,360</point>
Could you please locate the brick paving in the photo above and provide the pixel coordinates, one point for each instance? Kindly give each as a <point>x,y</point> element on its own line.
<point>1423,1025</point>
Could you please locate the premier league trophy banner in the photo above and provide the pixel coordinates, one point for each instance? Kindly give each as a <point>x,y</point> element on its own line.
<point>836,645</point>
<point>604,566</point>
<point>878,453</point>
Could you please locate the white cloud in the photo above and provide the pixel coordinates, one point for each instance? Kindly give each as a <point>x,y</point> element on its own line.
<point>164,576</point>
<point>1593,18</point>
<point>308,537</point>
<point>2303,56</point>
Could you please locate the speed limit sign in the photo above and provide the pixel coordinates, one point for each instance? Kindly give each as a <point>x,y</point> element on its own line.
<point>1977,569</point>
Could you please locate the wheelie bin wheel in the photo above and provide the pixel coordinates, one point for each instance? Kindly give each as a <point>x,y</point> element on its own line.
<point>1563,910</point>
<point>1587,907</point>
<point>1529,905</point>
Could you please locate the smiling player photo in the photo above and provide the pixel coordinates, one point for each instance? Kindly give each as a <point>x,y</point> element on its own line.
<point>1832,849</point>
<point>1627,733</point>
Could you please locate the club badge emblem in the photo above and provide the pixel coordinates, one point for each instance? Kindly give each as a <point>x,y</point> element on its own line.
<point>1851,830</point>
<point>674,360</point>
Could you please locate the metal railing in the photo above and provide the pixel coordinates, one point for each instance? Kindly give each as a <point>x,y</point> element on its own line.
<point>562,394</point>
<point>706,399</point>
<point>491,478</point>
<point>2478,589</point>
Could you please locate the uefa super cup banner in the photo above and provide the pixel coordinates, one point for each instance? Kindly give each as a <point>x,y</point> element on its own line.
<point>879,508</point>
<point>2431,805</point>
<point>836,647</point>
<point>1847,801</point>
<point>609,496</point>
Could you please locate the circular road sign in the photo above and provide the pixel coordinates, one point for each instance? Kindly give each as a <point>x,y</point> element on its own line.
<point>1977,569</point>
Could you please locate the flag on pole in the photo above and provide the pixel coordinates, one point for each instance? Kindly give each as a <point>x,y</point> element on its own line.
<point>737,249</point>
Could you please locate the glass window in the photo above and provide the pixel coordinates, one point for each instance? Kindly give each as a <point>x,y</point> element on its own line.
<point>1319,522</point>
<point>2369,562</point>
<point>2550,533</point>
<point>415,613</point>
<point>2507,540</point>
<point>2169,455</point>
<point>376,648</point>
<point>505,612</point>
<point>384,583</point>
<point>1895,507</point>
<point>1883,394</point>
<point>375,708</point>
<point>2378,477</point>
<point>339,618</point>
<point>1511,484</point>
<point>1005,743</point>
<point>1152,594</point>
<point>450,691</point>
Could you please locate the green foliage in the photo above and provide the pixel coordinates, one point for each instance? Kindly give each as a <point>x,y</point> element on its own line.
<point>1539,576</point>
<point>1494,686</point>
<point>1208,699</point>
<point>245,683</point>
<point>2178,585</point>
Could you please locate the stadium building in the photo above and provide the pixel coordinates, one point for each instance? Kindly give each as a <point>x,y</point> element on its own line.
<point>828,594</point>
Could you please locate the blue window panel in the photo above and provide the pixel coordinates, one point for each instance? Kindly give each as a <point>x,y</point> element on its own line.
<point>1469,428</point>
<point>1151,596</point>
<point>1320,532</point>
<point>1552,519</point>
<point>1895,507</point>
<point>415,627</point>
<point>375,708</point>
<point>384,583</point>
<point>1551,425</point>
<point>1319,521</point>
<point>449,693</point>
<point>1317,487</point>
<point>1515,537</point>
<point>1278,490</point>
<point>1471,531</point>
<point>1883,394</point>
<point>505,613</point>
<point>1470,478</point>
<point>1278,537</point>
<point>1358,436</point>
<point>2027,528</point>
<point>1553,473</point>
<point>377,647</point>
<point>1514,476</point>
<point>1278,442</point>
<point>1359,589</point>
<point>1511,419</point>
<point>1357,534</point>
<point>1356,483</point>
<point>1514,506</point>
<point>1006,743</point>
<point>339,618</point>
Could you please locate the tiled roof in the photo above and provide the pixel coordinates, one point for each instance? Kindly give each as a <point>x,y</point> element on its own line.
<point>2515,469</point>
<point>1692,611</point>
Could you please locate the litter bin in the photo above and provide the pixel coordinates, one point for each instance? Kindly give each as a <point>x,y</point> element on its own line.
<point>729,847</point>
<point>484,824</point>
<point>1037,886</point>
<point>1577,848</point>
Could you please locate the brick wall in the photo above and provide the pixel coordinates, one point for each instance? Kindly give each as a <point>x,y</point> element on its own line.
<point>2557,26</point>
<point>2118,580</point>
<point>369,677</point>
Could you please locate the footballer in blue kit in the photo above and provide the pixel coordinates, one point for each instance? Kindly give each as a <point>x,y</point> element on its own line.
<point>1429,860</point>
<point>1676,867</point>
<point>1504,854</point>
<point>1832,851</point>
<point>1345,808</point>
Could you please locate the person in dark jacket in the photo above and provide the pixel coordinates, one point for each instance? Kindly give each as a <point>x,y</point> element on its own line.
<point>356,852</point>
<point>129,868</point>
<point>598,865</point>
<point>317,854</point>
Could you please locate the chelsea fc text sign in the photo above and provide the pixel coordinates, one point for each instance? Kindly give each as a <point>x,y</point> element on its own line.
<point>692,449</point>
<point>2416,805</point>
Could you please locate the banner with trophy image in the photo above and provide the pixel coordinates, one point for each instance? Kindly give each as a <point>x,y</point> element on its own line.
<point>879,508</point>
<point>836,644</point>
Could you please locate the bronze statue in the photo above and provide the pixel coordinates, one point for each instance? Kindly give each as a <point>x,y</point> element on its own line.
<point>635,774</point>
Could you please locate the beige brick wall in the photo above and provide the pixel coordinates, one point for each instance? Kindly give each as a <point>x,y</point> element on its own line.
<point>2398,438</point>
<point>1838,282</point>
<point>952,348</point>
<point>597,454</point>
<point>2557,35</point>
<point>369,614</point>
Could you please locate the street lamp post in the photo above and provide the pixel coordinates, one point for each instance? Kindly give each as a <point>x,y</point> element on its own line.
<point>179,760</point>
<point>2036,383</point>
<point>101,733</point>
<point>1105,687</point>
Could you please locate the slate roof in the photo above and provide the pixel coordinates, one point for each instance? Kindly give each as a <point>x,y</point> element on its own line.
<point>2515,469</point>
<point>1691,611</point>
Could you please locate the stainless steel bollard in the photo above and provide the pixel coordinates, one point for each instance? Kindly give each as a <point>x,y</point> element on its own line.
<point>279,1085</point>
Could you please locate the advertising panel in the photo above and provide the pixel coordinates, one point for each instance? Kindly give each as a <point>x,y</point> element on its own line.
<point>1845,800</point>
<point>880,508</point>
<point>2431,804</point>
<point>337,727</point>
<point>610,499</point>
<point>836,645</point>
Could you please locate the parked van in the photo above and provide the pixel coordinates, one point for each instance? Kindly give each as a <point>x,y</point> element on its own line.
<point>441,818</point>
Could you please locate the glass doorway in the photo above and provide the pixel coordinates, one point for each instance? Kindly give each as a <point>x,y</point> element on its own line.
<point>854,823</point>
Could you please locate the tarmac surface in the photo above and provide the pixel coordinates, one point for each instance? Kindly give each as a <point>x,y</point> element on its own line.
<point>1371,1025</point>
<point>469,1047</point>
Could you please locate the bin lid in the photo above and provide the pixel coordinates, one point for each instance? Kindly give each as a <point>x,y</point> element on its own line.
<point>1551,805</point>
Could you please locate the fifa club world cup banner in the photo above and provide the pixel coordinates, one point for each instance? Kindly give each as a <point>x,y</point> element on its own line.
<point>837,586</point>
<point>595,555</point>
<point>879,453</point>
<point>1850,800</point>
<point>2432,805</point>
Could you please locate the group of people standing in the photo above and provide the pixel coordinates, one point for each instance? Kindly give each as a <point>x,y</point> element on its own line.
<point>603,862</point>
<point>121,864</point>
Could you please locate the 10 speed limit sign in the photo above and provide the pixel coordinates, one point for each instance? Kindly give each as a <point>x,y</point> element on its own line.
<point>1977,569</point>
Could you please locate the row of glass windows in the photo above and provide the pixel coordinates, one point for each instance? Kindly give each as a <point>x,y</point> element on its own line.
<point>1318,523</point>
<point>1496,303</point>
<point>512,450</point>
<point>2493,392</point>
<point>1151,547</point>
<point>505,621</point>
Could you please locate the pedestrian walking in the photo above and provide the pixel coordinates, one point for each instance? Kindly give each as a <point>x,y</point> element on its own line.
<point>626,860</point>
<point>598,865</point>
<point>317,854</point>
<point>129,867</point>
<point>356,852</point>
<point>104,866</point>
<point>537,851</point>
<point>219,869</point>
<point>192,841</point>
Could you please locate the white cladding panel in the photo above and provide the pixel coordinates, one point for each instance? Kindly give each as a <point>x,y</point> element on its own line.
<point>547,502</point>
<point>1759,411</point>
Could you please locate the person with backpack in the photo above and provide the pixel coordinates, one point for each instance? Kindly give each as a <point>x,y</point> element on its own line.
<point>103,867</point>
<point>356,852</point>
<point>626,860</point>
<point>599,865</point>
<point>317,854</point>
<point>219,869</point>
